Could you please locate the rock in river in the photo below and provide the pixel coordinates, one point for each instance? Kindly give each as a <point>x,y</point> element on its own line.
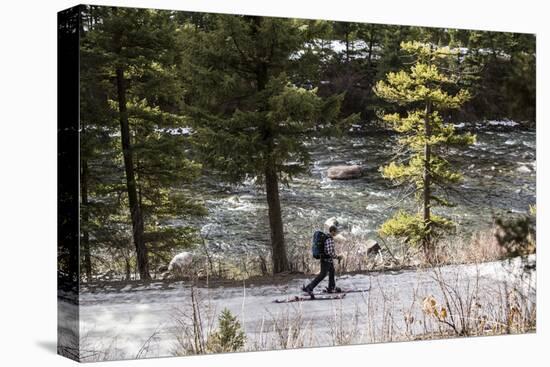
<point>344,172</point>
<point>340,223</point>
<point>523,169</point>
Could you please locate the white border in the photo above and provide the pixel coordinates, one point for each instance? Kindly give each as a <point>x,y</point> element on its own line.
<point>28,180</point>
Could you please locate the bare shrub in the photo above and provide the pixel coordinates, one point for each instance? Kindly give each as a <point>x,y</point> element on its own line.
<point>149,345</point>
<point>517,236</point>
<point>380,325</point>
<point>193,323</point>
<point>409,316</point>
<point>482,246</point>
<point>344,330</point>
<point>99,351</point>
<point>466,309</point>
<point>290,329</point>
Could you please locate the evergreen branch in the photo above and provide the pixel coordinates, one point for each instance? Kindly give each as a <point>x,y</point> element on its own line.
<point>403,198</point>
<point>245,57</point>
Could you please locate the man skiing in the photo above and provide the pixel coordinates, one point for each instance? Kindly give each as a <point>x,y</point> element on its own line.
<point>327,265</point>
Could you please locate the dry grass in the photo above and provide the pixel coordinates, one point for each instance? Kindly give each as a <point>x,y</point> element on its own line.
<point>194,322</point>
<point>344,330</point>
<point>290,329</point>
<point>465,309</point>
<point>482,246</point>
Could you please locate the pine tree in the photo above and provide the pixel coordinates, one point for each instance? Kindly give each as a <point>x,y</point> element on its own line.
<point>101,211</point>
<point>347,32</point>
<point>426,91</point>
<point>229,337</point>
<point>505,65</point>
<point>132,55</point>
<point>250,120</point>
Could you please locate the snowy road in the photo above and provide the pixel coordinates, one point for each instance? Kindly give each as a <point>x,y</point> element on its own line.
<point>142,320</point>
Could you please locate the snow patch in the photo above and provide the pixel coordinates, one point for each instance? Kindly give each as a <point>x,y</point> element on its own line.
<point>502,123</point>
<point>180,263</point>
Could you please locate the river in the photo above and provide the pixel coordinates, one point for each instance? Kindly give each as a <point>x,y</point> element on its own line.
<point>499,179</point>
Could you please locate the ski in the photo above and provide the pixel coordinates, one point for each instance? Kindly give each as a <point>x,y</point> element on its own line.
<point>324,297</point>
<point>343,291</point>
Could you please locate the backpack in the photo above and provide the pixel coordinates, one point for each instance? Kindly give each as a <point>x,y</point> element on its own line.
<point>318,244</point>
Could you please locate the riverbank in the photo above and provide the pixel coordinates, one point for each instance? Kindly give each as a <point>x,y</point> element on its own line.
<point>281,279</point>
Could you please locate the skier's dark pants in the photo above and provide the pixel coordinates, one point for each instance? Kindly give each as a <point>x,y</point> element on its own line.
<point>327,266</point>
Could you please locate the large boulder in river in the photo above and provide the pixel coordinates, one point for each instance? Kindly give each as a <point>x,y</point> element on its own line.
<point>344,172</point>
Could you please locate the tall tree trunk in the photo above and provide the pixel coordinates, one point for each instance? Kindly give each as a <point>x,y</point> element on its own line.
<point>85,216</point>
<point>280,260</point>
<point>371,45</point>
<point>347,46</point>
<point>426,241</point>
<point>128,268</point>
<point>85,240</point>
<point>135,210</point>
